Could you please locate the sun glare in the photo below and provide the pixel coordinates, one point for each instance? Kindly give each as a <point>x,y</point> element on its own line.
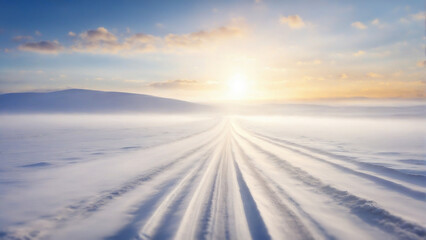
<point>237,86</point>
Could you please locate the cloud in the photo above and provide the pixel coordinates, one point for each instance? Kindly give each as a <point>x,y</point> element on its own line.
<point>22,38</point>
<point>37,33</point>
<point>343,76</point>
<point>420,16</point>
<point>359,25</point>
<point>359,53</point>
<point>46,47</point>
<point>99,39</point>
<point>376,22</point>
<point>421,63</point>
<point>203,37</point>
<point>275,69</point>
<point>176,84</point>
<point>313,62</point>
<point>374,75</point>
<point>403,20</point>
<point>293,21</point>
<point>102,41</point>
<point>100,34</point>
<point>140,42</point>
<point>140,38</point>
<point>311,78</point>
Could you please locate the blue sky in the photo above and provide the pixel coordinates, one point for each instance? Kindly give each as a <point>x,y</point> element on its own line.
<point>195,49</point>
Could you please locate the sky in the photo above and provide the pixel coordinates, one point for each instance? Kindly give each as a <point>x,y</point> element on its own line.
<point>257,50</point>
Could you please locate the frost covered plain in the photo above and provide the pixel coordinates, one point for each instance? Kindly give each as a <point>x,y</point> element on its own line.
<point>122,176</point>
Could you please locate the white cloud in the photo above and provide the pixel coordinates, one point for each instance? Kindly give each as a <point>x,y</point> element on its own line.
<point>102,41</point>
<point>97,40</point>
<point>313,62</point>
<point>374,75</point>
<point>100,34</point>
<point>420,16</point>
<point>375,21</point>
<point>359,53</point>
<point>141,38</point>
<point>359,25</point>
<point>140,42</point>
<point>293,21</point>
<point>203,37</point>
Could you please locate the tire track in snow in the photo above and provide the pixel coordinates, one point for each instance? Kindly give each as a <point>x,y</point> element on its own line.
<point>194,221</point>
<point>144,177</point>
<point>366,210</point>
<point>85,208</point>
<point>150,207</point>
<point>218,227</point>
<point>160,222</point>
<point>406,191</point>
<point>278,189</point>
<point>215,210</point>
<point>153,220</point>
<point>295,228</point>
<point>227,215</point>
<point>133,184</point>
<point>215,190</point>
<point>416,179</point>
<point>258,229</point>
<point>215,215</point>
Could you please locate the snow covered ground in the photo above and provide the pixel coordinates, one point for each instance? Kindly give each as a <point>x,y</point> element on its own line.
<point>210,177</point>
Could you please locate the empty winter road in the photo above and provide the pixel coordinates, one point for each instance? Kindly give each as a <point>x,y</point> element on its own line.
<point>227,182</point>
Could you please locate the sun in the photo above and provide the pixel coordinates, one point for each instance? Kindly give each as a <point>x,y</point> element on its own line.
<point>237,86</point>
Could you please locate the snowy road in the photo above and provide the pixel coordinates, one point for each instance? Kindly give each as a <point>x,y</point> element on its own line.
<point>225,182</point>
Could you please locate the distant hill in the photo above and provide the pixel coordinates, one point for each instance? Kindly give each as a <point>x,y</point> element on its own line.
<point>90,101</point>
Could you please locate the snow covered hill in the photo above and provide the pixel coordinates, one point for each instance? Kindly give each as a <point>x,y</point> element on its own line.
<point>90,101</point>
